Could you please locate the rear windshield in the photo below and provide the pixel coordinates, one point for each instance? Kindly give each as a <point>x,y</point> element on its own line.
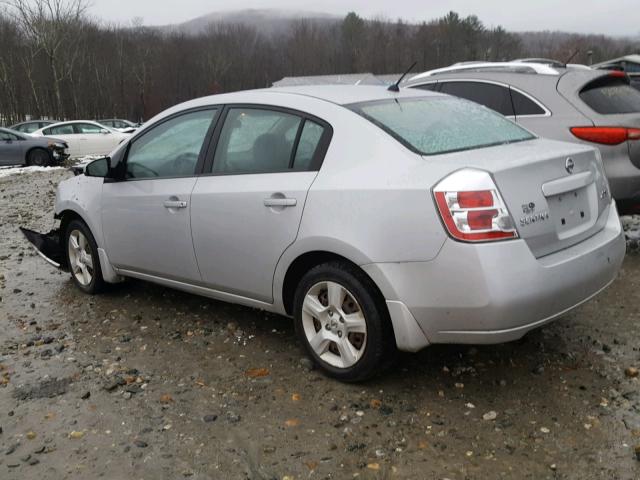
<point>609,95</point>
<point>435,125</point>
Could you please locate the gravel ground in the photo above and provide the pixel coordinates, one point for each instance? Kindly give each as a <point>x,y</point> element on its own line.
<point>145,382</point>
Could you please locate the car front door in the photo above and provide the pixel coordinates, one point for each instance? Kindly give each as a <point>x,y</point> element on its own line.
<point>11,149</point>
<point>247,211</point>
<point>146,217</point>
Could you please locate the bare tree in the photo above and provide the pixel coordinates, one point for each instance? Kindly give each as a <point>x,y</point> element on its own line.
<point>52,27</point>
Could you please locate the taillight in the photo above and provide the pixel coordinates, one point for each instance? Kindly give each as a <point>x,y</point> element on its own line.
<point>617,74</point>
<point>606,135</point>
<point>472,209</point>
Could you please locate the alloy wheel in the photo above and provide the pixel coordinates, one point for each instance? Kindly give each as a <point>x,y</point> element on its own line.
<point>80,258</point>
<point>334,324</point>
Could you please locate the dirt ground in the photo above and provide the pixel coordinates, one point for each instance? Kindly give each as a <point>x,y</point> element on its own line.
<point>148,383</point>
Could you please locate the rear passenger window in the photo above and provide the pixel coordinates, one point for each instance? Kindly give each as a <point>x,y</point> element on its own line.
<point>61,130</point>
<point>256,141</point>
<point>308,145</point>
<point>525,106</point>
<point>610,95</point>
<point>429,86</point>
<point>495,97</point>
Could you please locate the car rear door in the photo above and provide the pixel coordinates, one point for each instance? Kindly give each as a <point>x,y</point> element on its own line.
<point>94,139</point>
<point>492,95</point>
<point>146,218</point>
<point>66,133</point>
<point>247,211</point>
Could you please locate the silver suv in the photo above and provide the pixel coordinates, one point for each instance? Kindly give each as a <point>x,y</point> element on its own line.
<point>575,103</point>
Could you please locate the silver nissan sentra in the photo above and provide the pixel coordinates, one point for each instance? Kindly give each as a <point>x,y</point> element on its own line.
<point>378,220</point>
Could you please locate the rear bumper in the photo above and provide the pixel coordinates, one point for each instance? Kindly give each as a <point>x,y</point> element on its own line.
<point>493,293</point>
<point>623,176</point>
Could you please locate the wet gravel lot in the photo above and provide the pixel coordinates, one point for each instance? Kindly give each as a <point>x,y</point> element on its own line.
<point>144,382</point>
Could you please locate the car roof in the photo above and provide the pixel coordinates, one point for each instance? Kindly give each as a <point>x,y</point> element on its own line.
<point>512,67</point>
<point>576,77</point>
<point>337,94</point>
<point>72,122</point>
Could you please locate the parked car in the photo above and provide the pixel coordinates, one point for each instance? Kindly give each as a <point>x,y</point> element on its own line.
<point>378,220</point>
<point>593,107</point>
<point>84,137</point>
<point>120,125</point>
<point>32,126</point>
<point>17,148</point>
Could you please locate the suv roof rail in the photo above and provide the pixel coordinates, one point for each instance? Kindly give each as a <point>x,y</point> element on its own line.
<point>512,67</point>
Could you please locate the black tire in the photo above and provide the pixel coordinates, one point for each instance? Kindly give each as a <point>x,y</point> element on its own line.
<point>96,285</point>
<point>379,346</point>
<point>38,157</point>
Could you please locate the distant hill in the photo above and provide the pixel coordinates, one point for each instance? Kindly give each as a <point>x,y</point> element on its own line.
<point>268,21</point>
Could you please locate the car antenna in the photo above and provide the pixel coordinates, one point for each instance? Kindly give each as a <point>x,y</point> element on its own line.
<point>572,57</point>
<point>396,86</point>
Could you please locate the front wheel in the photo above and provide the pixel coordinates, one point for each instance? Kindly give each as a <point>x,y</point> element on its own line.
<point>343,322</point>
<point>82,258</point>
<point>38,158</point>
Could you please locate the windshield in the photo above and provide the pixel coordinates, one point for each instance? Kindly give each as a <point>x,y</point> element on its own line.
<point>441,124</point>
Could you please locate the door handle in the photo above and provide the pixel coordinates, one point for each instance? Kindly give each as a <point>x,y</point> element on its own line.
<point>175,204</point>
<point>280,202</point>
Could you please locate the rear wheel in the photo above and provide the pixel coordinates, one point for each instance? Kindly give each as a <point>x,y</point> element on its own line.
<point>342,322</point>
<point>38,158</point>
<point>82,257</point>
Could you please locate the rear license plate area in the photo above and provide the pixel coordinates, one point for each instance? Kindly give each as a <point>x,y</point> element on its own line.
<point>570,210</point>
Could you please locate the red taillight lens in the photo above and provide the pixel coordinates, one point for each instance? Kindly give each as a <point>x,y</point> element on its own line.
<point>617,74</point>
<point>473,215</point>
<point>481,198</point>
<point>606,135</point>
<point>481,219</point>
<point>633,133</point>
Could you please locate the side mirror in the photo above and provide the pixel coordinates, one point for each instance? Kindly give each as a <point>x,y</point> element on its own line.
<point>98,168</point>
<point>104,131</point>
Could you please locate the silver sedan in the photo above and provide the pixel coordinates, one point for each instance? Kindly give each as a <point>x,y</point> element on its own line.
<point>378,220</point>
<point>18,148</point>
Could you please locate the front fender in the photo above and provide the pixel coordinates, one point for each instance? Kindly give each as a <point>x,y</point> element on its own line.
<point>83,196</point>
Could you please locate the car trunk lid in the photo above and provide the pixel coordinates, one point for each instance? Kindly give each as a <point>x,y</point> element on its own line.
<point>556,193</point>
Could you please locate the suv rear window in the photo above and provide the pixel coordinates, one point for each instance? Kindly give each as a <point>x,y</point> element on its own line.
<point>436,125</point>
<point>610,95</point>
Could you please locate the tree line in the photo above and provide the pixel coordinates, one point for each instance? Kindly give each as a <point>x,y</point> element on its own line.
<point>58,62</point>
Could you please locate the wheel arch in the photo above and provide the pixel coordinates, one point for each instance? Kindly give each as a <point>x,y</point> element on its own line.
<point>66,217</point>
<point>305,262</point>
<point>36,147</point>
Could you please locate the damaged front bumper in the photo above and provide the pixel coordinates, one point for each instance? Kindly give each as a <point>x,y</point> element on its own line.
<point>48,246</point>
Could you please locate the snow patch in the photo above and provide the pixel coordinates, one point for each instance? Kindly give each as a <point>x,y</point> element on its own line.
<point>8,171</point>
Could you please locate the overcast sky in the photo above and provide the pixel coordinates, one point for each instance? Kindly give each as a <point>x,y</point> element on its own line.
<point>619,17</point>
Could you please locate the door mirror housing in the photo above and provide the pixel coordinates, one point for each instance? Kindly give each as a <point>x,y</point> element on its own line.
<point>104,131</point>
<point>100,168</point>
